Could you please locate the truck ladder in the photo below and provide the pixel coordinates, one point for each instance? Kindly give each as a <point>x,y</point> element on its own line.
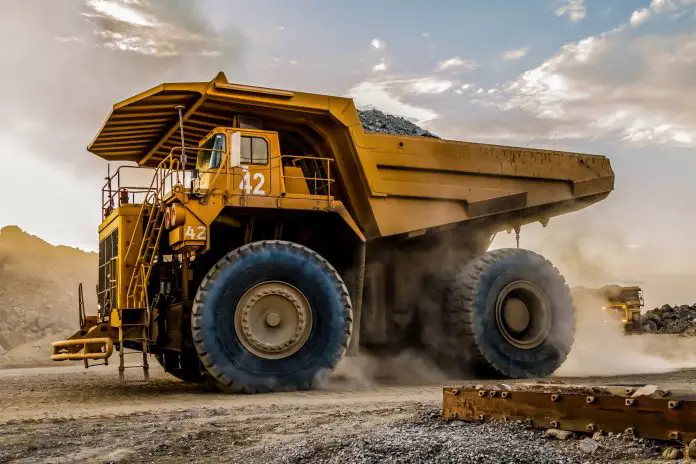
<point>137,288</point>
<point>133,328</point>
<point>135,318</point>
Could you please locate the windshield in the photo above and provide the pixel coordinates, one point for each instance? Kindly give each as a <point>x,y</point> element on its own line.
<point>211,153</point>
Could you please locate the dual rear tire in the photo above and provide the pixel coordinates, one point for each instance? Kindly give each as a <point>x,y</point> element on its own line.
<point>510,314</point>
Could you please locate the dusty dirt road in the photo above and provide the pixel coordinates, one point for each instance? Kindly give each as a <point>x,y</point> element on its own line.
<point>73,415</point>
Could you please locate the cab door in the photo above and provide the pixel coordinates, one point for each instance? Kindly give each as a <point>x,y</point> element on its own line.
<point>255,163</point>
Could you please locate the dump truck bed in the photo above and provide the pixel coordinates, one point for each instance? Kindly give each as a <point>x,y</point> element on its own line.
<point>392,184</point>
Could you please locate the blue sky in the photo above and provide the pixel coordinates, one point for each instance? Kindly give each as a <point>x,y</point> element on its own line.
<point>615,78</point>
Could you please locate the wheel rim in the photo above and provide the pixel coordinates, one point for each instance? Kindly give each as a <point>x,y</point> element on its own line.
<point>522,314</point>
<point>273,320</point>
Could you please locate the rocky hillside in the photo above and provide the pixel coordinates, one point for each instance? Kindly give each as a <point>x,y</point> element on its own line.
<point>38,290</point>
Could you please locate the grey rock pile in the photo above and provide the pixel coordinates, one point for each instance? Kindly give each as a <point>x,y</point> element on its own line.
<point>671,320</point>
<point>374,120</point>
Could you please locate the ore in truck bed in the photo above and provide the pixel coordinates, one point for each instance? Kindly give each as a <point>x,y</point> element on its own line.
<point>374,120</point>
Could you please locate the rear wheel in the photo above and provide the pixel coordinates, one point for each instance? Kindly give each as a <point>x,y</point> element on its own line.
<point>511,313</point>
<point>271,316</point>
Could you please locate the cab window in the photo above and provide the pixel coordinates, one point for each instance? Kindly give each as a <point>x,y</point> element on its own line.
<point>211,153</point>
<point>254,150</point>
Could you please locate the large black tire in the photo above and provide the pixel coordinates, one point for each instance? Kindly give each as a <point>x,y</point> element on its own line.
<point>223,354</point>
<point>471,320</point>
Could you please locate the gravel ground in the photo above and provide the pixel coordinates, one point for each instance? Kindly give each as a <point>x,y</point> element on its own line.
<point>61,415</point>
<point>406,434</point>
<point>427,439</point>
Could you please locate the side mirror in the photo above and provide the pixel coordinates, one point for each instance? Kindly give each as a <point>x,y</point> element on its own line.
<point>236,150</point>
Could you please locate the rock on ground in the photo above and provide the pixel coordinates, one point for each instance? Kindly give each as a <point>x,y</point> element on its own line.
<point>680,320</point>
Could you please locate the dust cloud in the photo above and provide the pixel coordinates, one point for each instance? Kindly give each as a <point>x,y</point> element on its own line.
<point>601,348</point>
<point>366,370</point>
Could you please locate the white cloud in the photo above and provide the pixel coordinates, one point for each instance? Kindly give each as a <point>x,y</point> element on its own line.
<point>382,66</point>
<point>574,9</point>
<point>616,85</point>
<point>377,43</point>
<point>659,6</point>
<point>428,85</point>
<point>425,35</point>
<point>68,39</point>
<point>466,86</point>
<point>151,28</point>
<point>120,12</point>
<point>677,7</point>
<point>515,54</point>
<point>210,53</point>
<point>455,62</point>
<point>380,95</point>
<point>638,17</point>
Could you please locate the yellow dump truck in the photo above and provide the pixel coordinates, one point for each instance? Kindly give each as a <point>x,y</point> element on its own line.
<point>276,236</point>
<point>619,304</point>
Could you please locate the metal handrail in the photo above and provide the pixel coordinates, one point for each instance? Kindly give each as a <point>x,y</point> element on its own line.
<point>328,180</point>
<point>168,168</point>
<point>168,174</point>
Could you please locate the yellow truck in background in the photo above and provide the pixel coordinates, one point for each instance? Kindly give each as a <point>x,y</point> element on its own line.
<point>620,303</point>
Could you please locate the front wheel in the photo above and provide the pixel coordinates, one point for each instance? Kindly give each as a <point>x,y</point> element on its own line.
<point>511,312</point>
<point>271,316</point>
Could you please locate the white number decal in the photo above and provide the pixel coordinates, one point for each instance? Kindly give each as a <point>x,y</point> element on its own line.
<point>245,184</point>
<point>191,233</point>
<point>260,181</point>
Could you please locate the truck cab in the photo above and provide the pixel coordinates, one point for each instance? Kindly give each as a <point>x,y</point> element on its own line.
<point>249,162</point>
